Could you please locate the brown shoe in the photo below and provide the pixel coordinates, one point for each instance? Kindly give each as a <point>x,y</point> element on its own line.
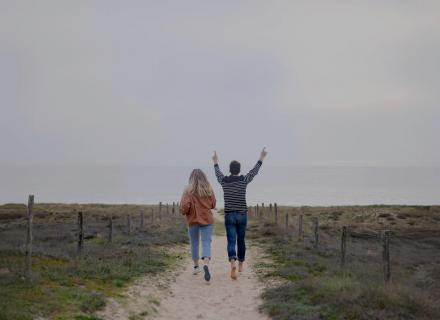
<point>234,273</point>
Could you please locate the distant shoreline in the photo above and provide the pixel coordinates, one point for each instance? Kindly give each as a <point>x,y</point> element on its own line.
<point>280,205</point>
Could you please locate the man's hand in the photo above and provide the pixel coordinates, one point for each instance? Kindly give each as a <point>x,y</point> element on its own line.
<point>215,157</point>
<point>263,154</point>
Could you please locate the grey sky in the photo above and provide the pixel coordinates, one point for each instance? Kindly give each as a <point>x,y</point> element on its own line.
<point>167,82</point>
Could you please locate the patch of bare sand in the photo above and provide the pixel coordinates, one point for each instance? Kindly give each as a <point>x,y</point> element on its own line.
<point>141,300</point>
<point>222,298</point>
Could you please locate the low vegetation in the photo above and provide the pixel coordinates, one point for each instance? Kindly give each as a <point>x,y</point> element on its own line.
<point>304,282</point>
<point>68,285</point>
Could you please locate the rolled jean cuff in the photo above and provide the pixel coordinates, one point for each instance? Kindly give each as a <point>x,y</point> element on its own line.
<point>233,258</point>
<point>241,260</point>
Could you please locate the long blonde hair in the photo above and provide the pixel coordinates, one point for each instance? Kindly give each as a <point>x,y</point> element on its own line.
<point>198,184</point>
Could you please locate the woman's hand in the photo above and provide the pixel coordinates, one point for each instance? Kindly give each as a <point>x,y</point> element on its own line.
<point>215,157</point>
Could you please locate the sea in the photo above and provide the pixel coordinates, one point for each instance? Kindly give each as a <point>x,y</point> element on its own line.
<point>289,185</point>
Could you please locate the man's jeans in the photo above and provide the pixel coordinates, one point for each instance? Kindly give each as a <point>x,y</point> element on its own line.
<point>196,232</point>
<point>235,223</point>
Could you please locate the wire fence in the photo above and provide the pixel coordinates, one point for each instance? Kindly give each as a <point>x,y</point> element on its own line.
<point>378,253</point>
<point>66,231</point>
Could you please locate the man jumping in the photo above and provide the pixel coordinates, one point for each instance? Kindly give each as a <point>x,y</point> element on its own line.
<point>234,190</point>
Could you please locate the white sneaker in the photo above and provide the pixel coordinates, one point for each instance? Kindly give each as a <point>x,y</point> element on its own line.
<point>197,270</point>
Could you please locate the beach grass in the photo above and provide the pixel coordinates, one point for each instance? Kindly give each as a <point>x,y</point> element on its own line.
<point>67,285</point>
<point>304,282</point>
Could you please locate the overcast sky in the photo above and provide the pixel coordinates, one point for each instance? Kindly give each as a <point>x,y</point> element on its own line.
<point>168,82</point>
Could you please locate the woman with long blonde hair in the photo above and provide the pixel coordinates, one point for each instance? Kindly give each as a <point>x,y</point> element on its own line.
<point>198,200</point>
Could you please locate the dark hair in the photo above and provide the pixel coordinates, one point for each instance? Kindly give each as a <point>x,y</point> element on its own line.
<point>234,167</point>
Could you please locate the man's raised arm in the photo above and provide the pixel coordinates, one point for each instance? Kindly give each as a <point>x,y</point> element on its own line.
<point>250,176</point>
<point>218,172</point>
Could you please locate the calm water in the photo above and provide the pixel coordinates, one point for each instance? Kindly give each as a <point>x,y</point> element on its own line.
<point>285,185</point>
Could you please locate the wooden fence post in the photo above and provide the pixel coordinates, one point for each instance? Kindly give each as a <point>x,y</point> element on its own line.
<point>174,208</point>
<point>343,245</point>
<point>316,231</point>
<point>286,222</point>
<point>29,238</point>
<point>110,229</point>
<point>80,231</point>
<point>270,208</point>
<point>128,223</point>
<point>152,215</point>
<point>168,209</point>
<point>258,211</point>
<point>276,213</point>
<point>142,219</point>
<point>160,207</point>
<point>386,255</point>
<point>300,227</point>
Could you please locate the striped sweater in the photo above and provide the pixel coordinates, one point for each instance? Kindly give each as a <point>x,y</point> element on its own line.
<point>234,188</point>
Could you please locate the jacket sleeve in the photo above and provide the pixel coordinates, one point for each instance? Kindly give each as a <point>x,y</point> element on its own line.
<point>218,173</point>
<point>251,174</point>
<point>214,202</point>
<point>185,204</point>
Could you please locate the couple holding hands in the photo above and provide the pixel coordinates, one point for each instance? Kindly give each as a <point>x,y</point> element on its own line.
<point>198,200</point>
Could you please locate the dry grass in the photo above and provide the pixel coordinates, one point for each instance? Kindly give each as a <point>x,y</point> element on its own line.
<point>315,286</point>
<point>69,286</point>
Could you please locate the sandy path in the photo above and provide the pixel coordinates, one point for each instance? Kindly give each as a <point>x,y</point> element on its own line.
<point>185,296</point>
<point>192,298</point>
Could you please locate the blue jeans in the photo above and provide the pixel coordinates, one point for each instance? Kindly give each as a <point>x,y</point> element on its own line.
<point>235,224</point>
<point>194,232</point>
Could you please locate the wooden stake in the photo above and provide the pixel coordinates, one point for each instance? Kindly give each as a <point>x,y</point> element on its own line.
<point>110,229</point>
<point>386,255</point>
<point>174,208</point>
<point>80,232</point>
<point>276,213</point>
<point>316,231</point>
<point>142,219</point>
<point>286,222</point>
<point>128,223</point>
<point>343,245</point>
<point>300,227</point>
<point>29,238</point>
<point>152,215</point>
<point>160,207</point>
